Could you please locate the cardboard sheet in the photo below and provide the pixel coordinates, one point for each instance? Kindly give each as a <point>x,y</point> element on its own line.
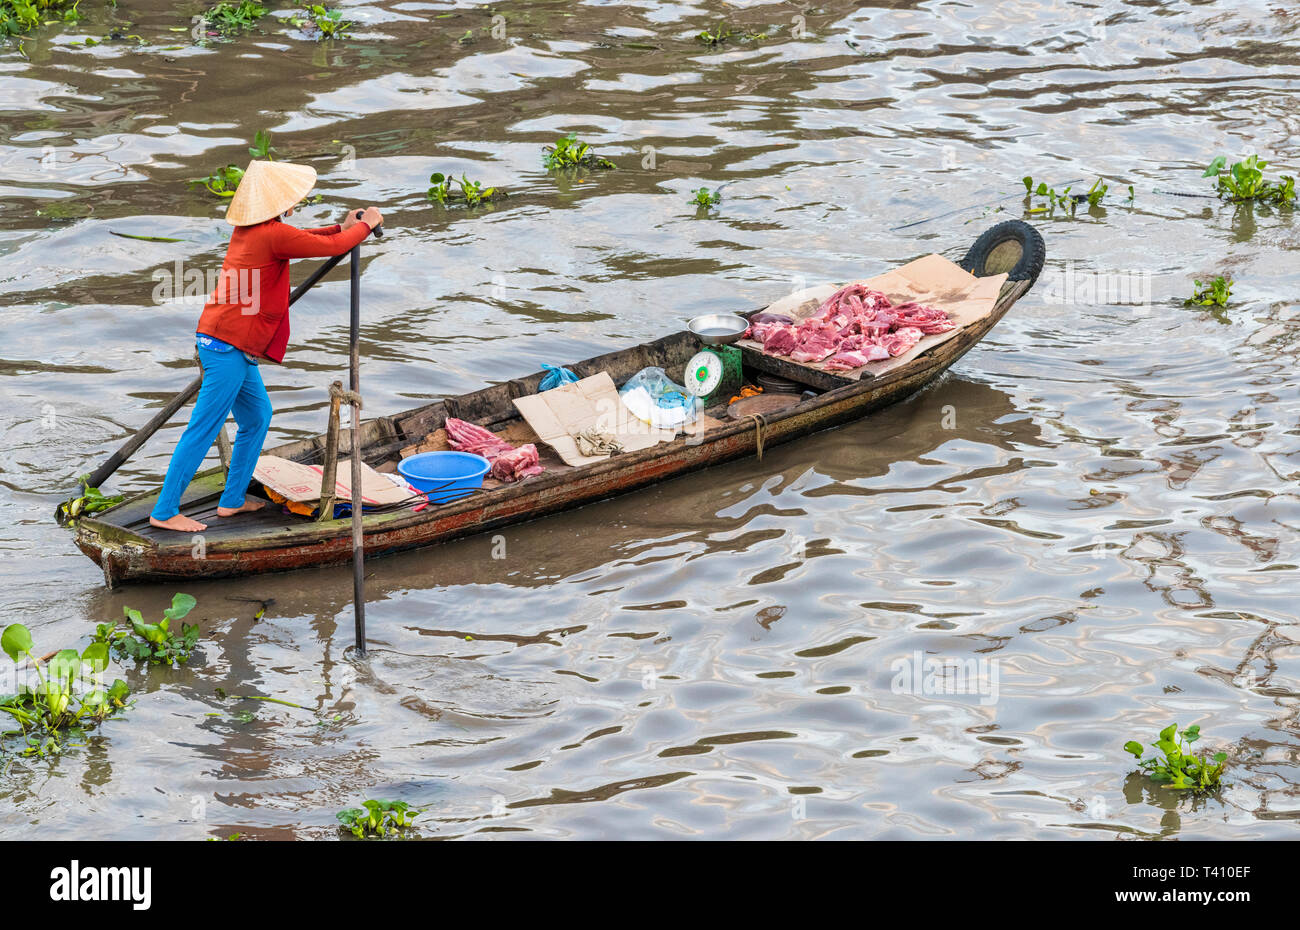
<point>931,280</point>
<point>557,414</point>
<point>301,483</point>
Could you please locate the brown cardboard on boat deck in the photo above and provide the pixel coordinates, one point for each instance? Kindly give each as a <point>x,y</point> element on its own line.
<point>301,483</point>
<point>931,280</point>
<point>556,415</point>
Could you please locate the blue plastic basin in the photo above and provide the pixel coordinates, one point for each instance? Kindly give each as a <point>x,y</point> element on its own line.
<point>444,476</point>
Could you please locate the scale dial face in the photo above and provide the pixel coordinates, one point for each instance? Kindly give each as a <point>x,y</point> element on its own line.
<point>703,374</point>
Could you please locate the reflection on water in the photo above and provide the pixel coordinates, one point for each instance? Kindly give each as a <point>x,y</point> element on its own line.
<point>1096,507</point>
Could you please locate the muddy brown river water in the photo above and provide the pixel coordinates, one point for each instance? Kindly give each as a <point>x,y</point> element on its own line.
<point>1096,508</point>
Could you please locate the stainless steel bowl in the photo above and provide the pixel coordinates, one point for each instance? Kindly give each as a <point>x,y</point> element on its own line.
<point>718,329</point>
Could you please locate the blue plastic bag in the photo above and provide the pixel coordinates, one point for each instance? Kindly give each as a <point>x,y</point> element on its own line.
<point>555,377</point>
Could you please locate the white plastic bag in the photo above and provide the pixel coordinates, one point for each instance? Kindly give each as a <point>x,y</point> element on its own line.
<point>652,397</point>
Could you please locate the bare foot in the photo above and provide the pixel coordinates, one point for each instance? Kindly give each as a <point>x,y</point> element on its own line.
<point>248,506</point>
<point>180,523</point>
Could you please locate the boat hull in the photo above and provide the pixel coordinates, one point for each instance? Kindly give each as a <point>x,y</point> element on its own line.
<point>128,556</point>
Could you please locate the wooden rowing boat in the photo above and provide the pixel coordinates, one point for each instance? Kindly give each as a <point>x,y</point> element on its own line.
<point>129,549</point>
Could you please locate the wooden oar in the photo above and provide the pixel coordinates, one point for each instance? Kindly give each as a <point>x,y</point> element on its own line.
<point>114,462</point>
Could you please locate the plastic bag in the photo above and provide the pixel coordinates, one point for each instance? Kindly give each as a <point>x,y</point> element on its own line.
<point>555,377</point>
<point>652,397</point>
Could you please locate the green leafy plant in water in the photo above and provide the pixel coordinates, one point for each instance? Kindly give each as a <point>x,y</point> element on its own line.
<point>1213,294</point>
<point>223,181</point>
<point>155,643</point>
<point>1065,201</point>
<point>568,152</point>
<point>1174,766</point>
<point>1245,180</point>
<point>472,193</point>
<point>377,818</point>
<point>329,22</point>
<point>55,706</point>
<point>440,190</point>
<point>705,198</point>
<point>229,18</point>
<point>18,17</point>
<point>1097,192</point>
<point>715,37</point>
<point>91,502</point>
<point>261,147</point>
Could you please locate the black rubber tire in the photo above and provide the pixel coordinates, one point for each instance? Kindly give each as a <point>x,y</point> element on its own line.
<point>1014,247</point>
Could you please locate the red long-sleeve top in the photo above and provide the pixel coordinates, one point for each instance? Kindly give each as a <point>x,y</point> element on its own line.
<point>249,308</point>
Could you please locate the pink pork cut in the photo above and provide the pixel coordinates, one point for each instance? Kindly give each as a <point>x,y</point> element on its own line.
<point>518,463</point>
<point>780,340</point>
<point>815,346</point>
<point>901,340</point>
<point>508,463</point>
<point>928,320</point>
<point>464,436</point>
<point>934,327</point>
<point>846,361</point>
<point>853,322</point>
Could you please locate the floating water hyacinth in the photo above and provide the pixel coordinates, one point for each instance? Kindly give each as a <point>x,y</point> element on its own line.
<point>229,18</point>
<point>156,642</point>
<point>471,193</point>
<point>377,818</point>
<point>569,152</point>
<point>18,17</point>
<point>1245,181</point>
<point>63,701</point>
<point>1175,767</point>
<point>1213,294</point>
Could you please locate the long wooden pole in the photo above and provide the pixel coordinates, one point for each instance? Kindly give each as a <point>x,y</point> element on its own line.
<point>354,385</point>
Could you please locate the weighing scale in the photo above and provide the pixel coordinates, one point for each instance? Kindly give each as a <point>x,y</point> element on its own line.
<point>714,373</point>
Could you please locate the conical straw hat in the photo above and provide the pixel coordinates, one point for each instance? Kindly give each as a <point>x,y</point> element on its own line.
<point>267,189</point>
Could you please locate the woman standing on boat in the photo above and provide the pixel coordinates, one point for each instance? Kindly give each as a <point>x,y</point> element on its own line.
<point>247,319</point>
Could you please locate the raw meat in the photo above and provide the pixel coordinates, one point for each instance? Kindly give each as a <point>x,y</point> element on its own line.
<point>852,327</point>
<point>520,462</point>
<point>927,319</point>
<point>845,361</point>
<point>816,345</point>
<point>762,322</point>
<point>464,436</point>
<point>900,340</point>
<point>780,340</point>
<point>508,463</point>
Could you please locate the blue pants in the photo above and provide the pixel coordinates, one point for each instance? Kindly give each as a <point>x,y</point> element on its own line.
<point>230,383</point>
